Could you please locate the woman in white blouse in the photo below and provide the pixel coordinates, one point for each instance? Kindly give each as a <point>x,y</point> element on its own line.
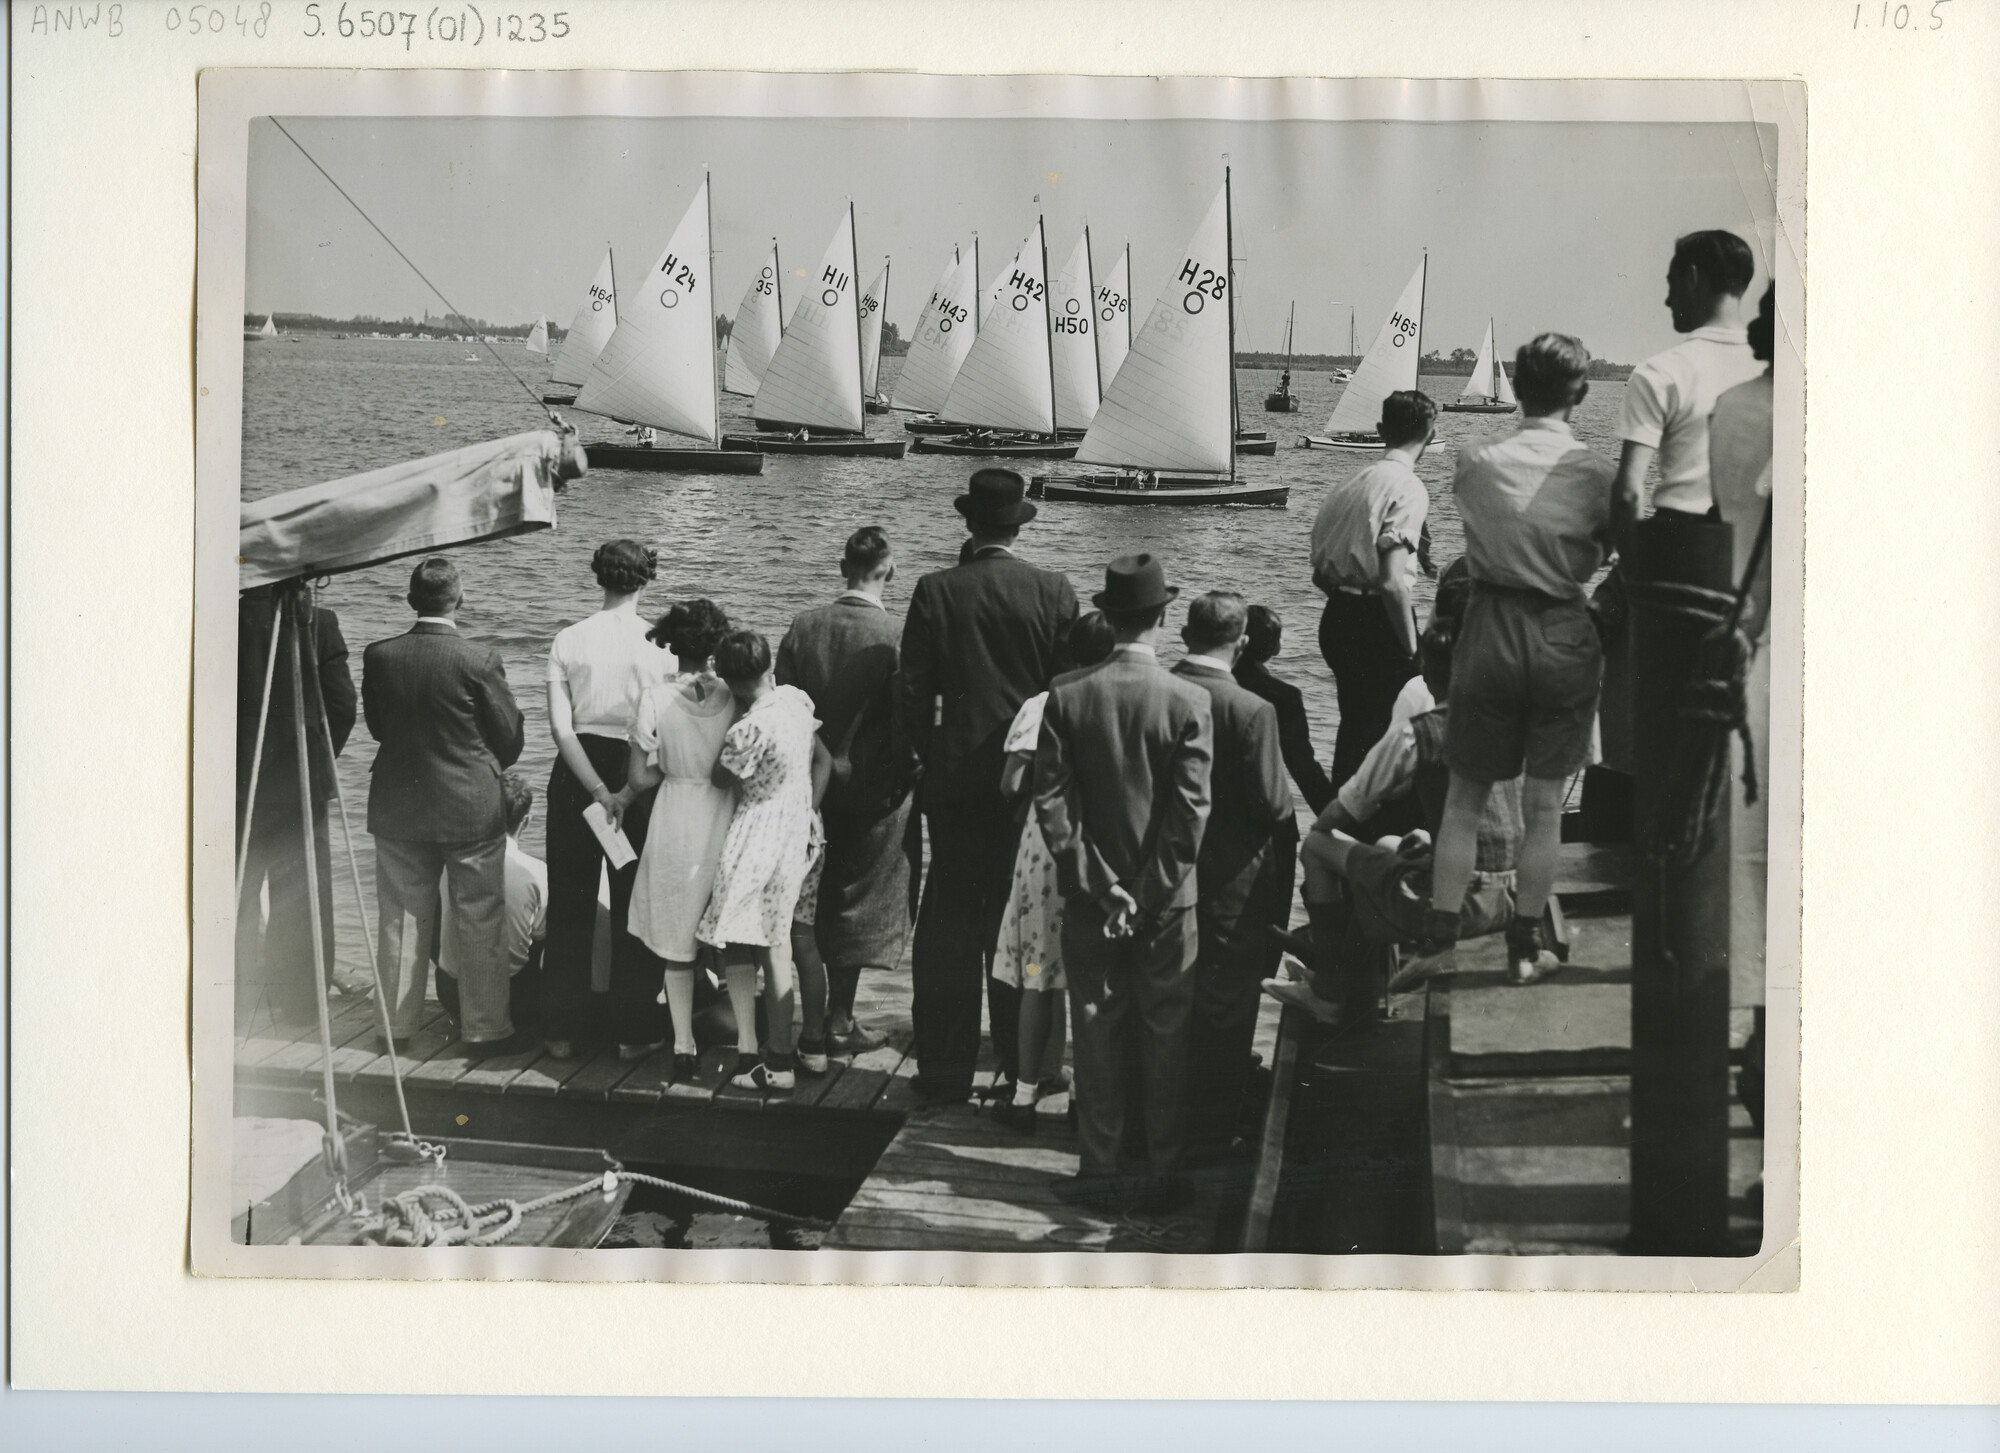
<point>599,668</point>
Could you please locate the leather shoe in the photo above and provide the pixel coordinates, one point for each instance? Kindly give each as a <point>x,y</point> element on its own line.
<point>489,1048</point>
<point>1018,1118</point>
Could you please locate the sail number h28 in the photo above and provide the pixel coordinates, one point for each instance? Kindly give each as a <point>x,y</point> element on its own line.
<point>1207,283</point>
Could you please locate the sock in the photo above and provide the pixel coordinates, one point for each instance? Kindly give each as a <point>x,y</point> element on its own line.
<point>1024,1092</point>
<point>742,980</point>
<point>680,1006</point>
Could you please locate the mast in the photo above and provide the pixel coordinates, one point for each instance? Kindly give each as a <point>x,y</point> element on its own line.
<point>1090,294</point>
<point>1128,297</point>
<point>1494,397</point>
<point>611,262</point>
<point>717,390</point>
<point>1425,275</point>
<point>778,285</point>
<point>1229,251</point>
<point>978,293</point>
<point>860,349</point>
<point>1048,331</point>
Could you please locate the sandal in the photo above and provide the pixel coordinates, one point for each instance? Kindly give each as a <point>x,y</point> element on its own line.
<point>760,1076</point>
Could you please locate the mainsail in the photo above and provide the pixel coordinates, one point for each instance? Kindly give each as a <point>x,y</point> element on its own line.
<point>1390,363</point>
<point>944,334</point>
<point>1073,340</point>
<point>758,329</point>
<point>658,368</point>
<point>1006,382</point>
<point>1489,377</point>
<point>1114,319</point>
<point>538,336</point>
<point>1169,405</point>
<point>270,328</point>
<point>873,303</point>
<point>815,376</point>
<point>589,330</point>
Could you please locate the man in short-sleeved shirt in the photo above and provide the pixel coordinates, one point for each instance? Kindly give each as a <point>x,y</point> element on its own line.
<point>1364,548</point>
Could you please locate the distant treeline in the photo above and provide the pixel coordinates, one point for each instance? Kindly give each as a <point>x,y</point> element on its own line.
<point>450,326</point>
<point>1436,364</point>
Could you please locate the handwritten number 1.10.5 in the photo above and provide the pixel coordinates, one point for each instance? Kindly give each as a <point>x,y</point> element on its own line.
<point>1898,17</point>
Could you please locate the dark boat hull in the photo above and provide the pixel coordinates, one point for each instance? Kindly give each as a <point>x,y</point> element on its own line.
<point>924,424</point>
<point>995,448</point>
<point>1114,488</point>
<point>1280,404</point>
<point>673,461</point>
<point>564,399</point>
<point>1257,446</point>
<point>1481,408</point>
<point>851,445</point>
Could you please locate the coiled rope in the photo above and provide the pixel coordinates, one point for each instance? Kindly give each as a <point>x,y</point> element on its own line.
<point>439,1216</point>
<point>1713,708</point>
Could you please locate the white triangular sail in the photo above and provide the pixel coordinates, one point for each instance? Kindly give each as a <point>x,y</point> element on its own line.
<point>757,331</point>
<point>1169,405</point>
<point>872,304</point>
<point>1389,365</point>
<point>538,336</point>
<point>1114,319</point>
<point>1480,385</point>
<point>658,369</point>
<point>591,328</point>
<point>1073,339</point>
<point>943,336</point>
<point>1504,390</point>
<point>815,376</point>
<point>270,328</point>
<point>1005,381</point>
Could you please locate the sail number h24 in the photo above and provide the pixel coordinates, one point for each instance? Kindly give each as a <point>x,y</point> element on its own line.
<point>1205,282</point>
<point>678,275</point>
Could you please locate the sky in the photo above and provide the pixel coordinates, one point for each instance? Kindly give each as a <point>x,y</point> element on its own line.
<point>1541,225</point>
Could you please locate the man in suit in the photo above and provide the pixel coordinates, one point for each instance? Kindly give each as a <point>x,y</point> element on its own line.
<point>447,726</point>
<point>1236,874</point>
<point>274,959</point>
<point>1122,796</point>
<point>844,655</point>
<point>980,639</point>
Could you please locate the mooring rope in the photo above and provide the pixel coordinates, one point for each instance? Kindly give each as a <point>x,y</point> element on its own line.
<point>438,1216</point>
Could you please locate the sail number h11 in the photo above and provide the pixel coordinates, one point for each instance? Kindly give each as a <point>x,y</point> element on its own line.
<point>1206,283</point>
<point>678,275</point>
<point>836,283</point>
<point>1402,328</point>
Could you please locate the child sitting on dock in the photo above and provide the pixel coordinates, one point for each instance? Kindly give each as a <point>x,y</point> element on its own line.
<point>1029,954</point>
<point>774,758</point>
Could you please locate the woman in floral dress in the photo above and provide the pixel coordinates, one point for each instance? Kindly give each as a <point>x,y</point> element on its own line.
<point>774,758</point>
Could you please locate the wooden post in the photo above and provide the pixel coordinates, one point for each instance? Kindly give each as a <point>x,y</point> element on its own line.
<point>1680,921</point>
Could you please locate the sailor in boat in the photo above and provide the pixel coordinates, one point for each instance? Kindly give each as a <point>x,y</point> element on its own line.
<point>643,435</point>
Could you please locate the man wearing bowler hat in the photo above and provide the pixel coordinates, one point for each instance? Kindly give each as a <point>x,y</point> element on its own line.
<point>1122,796</point>
<point>981,638</point>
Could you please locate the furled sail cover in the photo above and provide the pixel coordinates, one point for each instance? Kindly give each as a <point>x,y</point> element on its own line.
<point>481,492</point>
<point>1169,406</point>
<point>659,367</point>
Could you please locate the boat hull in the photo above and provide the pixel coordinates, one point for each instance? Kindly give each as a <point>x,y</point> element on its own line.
<point>995,448</point>
<point>930,424</point>
<point>559,398</point>
<point>1358,442</point>
<point>1480,408</point>
<point>673,461</point>
<point>1114,488</point>
<point>852,445</point>
<point>1280,404</point>
<point>1256,446</point>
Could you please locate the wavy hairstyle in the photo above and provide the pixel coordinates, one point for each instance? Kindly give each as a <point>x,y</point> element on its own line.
<point>624,566</point>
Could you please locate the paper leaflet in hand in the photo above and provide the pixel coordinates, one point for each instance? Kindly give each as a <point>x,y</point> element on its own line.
<point>617,847</point>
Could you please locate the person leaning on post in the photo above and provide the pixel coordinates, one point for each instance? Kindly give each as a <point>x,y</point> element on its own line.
<point>1525,669</point>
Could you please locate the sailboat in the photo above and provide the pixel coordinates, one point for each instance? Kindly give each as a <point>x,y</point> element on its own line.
<point>1114,319</point>
<point>1389,365</point>
<point>1006,389</point>
<point>1281,400</point>
<point>591,328</point>
<point>946,330</point>
<point>874,306</point>
<point>810,401</point>
<point>657,370</point>
<point>1248,441</point>
<point>1487,391</point>
<point>269,330</point>
<point>538,336</point>
<point>758,329</point>
<point>1166,430</point>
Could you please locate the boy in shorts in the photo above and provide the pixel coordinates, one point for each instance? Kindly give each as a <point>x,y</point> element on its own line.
<point>1525,671</point>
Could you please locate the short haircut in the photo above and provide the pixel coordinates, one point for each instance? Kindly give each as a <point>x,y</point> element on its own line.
<point>1454,594</point>
<point>1764,324</point>
<point>1548,369</point>
<point>1091,639</point>
<point>1407,415</point>
<point>1434,654</point>
<point>867,549</point>
<point>1722,258</point>
<point>434,587</point>
<point>624,566</point>
<point>1143,619</point>
<point>1215,619</point>
<point>519,795</point>
<point>742,656</point>
<point>1266,630</point>
<point>691,629</point>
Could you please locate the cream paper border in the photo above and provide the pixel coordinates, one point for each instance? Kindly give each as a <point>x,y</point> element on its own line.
<point>228,101</point>
<point>1900,1089</point>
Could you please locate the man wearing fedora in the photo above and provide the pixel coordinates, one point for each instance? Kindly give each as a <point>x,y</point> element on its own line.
<point>1122,796</point>
<point>980,639</point>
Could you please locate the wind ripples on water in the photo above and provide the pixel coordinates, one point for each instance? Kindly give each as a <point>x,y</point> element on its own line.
<point>767,547</point>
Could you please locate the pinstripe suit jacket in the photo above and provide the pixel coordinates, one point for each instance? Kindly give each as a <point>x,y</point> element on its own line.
<point>445,719</point>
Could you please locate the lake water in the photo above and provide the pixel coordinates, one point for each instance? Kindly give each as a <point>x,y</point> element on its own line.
<point>767,547</point>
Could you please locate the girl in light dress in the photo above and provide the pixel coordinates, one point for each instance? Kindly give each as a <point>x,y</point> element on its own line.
<point>677,737</point>
<point>1029,954</point>
<point>774,758</point>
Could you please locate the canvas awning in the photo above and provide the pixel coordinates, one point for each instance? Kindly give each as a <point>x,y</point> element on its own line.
<point>481,492</point>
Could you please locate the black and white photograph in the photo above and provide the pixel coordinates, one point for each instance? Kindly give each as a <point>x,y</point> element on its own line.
<point>1006,680</point>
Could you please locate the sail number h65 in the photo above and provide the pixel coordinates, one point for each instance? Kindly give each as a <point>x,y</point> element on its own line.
<point>1205,283</point>
<point>1402,328</point>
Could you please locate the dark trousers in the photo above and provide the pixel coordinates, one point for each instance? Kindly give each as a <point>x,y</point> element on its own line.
<point>1130,1000</point>
<point>1234,955</point>
<point>274,961</point>
<point>971,872</point>
<point>1369,668</point>
<point>630,1013</point>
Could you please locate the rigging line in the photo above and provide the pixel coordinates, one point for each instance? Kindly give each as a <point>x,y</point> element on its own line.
<point>362,211</point>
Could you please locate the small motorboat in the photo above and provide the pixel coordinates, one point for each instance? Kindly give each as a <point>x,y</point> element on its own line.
<point>921,424</point>
<point>1255,446</point>
<point>651,459</point>
<point>1356,441</point>
<point>996,442</point>
<point>1146,487</point>
<point>804,441</point>
<point>565,400</point>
